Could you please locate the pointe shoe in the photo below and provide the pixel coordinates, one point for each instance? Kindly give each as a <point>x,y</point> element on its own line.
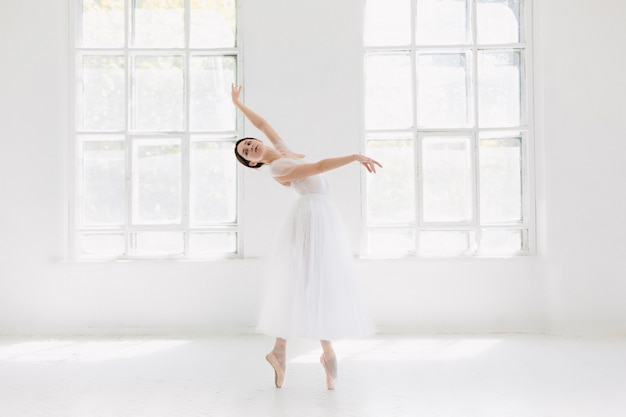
<point>331,374</point>
<point>279,372</point>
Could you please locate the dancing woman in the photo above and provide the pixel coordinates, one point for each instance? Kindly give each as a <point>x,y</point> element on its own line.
<point>312,288</point>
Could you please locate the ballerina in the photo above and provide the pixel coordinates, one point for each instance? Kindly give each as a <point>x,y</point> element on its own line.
<point>312,290</point>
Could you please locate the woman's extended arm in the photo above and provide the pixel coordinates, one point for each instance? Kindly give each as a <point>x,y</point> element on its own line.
<point>307,170</point>
<point>259,122</point>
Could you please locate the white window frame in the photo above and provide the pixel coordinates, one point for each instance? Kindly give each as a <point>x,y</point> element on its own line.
<point>130,135</point>
<point>525,131</point>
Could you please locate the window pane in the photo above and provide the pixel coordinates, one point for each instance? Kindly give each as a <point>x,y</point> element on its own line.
<point>499,88</point>
<point>213,24</point>
<point>103,244</point>
<point>462,109</point>
<point>387,22</point>
<point>391,192</point>
<point>102,182</point>
<point>213,243</point>
<point>446,175</point>
<point>211,106</point>
<point>498,21</point>
<point>159,91</point>
<point>157,181</point>
<point>391,242</point>
<point>501,241</point>
<point>103,23</point>
<point>442,90</point>
<point>213,179</point>
<point>388,97</point>
<point>159,23</point>
<point>500,180</point>
<point>449,242</point>
<point>155,126</point>
<point>158,243</point>
<point>442,22</point>
<point>102,101</point>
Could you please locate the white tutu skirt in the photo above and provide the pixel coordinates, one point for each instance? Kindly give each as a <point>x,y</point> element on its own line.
<point>312,286</point>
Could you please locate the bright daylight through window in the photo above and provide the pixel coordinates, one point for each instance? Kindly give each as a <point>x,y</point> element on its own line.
<point>154,129</point>
<point>447,113</point>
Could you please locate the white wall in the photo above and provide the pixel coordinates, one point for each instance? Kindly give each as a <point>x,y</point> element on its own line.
<point>302,71</point>
<point>582,115</point>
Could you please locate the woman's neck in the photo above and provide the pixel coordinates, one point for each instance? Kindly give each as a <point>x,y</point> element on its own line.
<point>270,155</point>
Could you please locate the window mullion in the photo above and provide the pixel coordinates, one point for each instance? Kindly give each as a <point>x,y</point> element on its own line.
<point>72,176</point>
<point>416,148</point>
<point>129,240</point>
<point>475,243</point>
<point>187,17</point>
<point>186,188</point>
<point>419,195</point>
<point>474,86</point>
<point>528,215</point>
<point>476,185</point>
<point>128,236</point>
<point>186,139</point>
<point>417,178</point>
<point>528,144</point>
<point>130,21</point>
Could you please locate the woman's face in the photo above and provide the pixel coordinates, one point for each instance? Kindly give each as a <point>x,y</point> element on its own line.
<point>251,149</point>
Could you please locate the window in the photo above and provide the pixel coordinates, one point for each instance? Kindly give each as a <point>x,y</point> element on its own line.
<point>154,129</point>
<point>446,112</point>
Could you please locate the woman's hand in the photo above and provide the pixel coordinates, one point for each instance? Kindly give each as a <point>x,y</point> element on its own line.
<point>235,92</point>
<point>367,162</point>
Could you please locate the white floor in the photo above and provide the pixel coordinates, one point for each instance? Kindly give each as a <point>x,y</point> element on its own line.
<point>385,376</point>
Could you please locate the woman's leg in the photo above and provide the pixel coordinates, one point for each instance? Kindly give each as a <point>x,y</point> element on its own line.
<point>329,362</point>
<point>277,358</point>
<point>280,350</point>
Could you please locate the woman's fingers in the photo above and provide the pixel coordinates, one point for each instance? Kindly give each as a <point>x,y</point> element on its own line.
<point>235,90</point>
<point>370,164</point>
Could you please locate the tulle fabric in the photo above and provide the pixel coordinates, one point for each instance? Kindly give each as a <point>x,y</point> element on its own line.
<point>312,288</point>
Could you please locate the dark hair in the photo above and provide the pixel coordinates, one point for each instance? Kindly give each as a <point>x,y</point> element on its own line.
<point>243,160</point>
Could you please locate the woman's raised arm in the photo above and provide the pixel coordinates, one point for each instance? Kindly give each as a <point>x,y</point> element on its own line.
<point>259,122</point>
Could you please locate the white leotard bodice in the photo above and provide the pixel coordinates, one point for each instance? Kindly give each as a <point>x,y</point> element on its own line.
<point>315,184</point>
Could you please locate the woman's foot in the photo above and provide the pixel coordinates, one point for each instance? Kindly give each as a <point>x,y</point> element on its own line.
<point>277,360</point>
<point>329,362</point>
